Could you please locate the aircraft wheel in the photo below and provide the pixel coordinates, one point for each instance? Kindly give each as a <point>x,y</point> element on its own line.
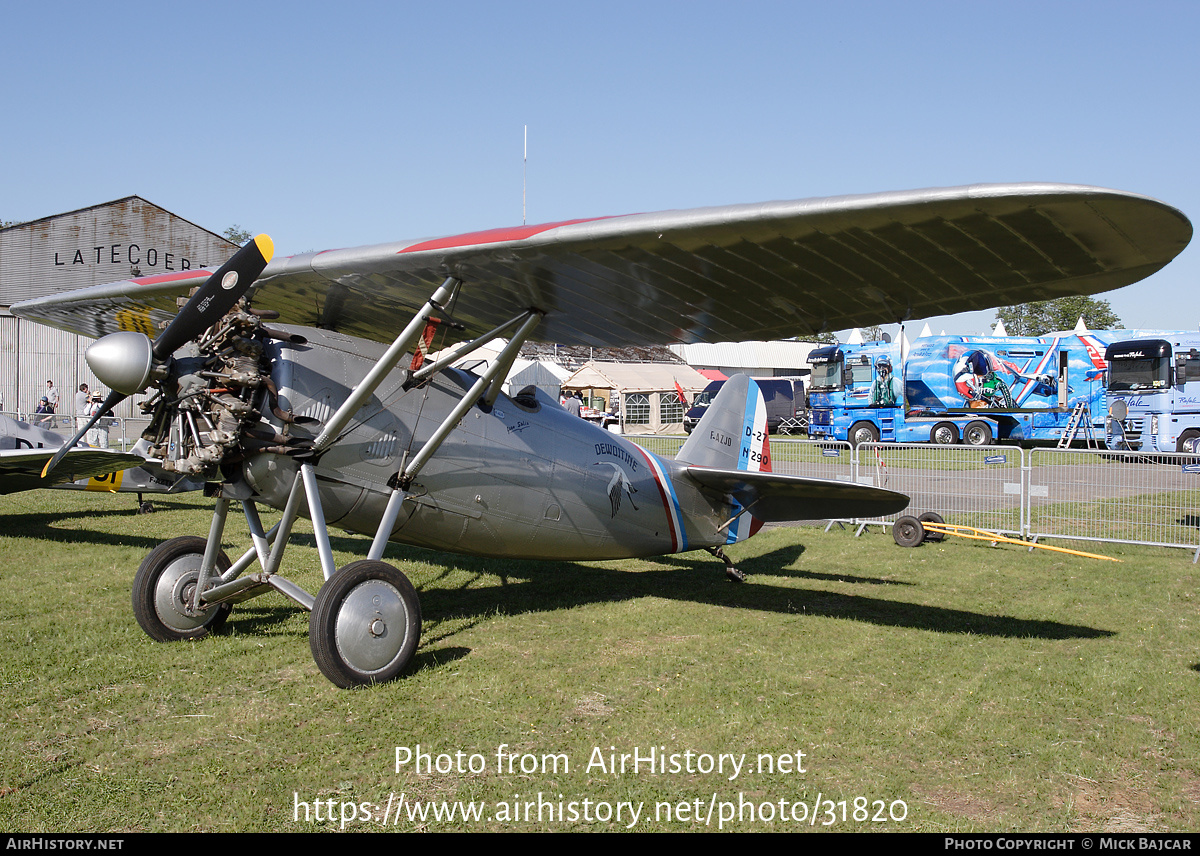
<point>365,624</point>
<point>977,433</point>
<point>936,519</point>
<point>163,588</point>
<point>862,432</point>
<point>944,434</point>
<point>908,531</point>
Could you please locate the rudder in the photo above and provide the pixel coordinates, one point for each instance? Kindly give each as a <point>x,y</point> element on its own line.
<point>732,435</point>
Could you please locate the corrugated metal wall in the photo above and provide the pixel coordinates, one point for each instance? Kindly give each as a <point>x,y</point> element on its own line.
<point>31,354</point>
<point>92,246</point>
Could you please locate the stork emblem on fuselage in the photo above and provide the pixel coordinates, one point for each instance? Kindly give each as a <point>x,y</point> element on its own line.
<point>616,485</point>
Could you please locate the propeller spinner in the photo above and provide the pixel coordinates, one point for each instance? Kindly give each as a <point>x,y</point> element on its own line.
<point>124,361</point>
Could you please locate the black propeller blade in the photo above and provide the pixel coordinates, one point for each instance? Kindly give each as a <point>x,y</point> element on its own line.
<point>207,306</point>
<point>216,297</point>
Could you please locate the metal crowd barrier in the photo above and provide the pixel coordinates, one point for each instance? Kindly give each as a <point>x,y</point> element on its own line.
<point>1123,497</point>
<point>665,446</point>
<point>819,459</point>
<point>122,432</point>
<point>978,486</point>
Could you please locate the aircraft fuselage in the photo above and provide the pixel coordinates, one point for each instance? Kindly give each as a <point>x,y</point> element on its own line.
<point>522,478</point>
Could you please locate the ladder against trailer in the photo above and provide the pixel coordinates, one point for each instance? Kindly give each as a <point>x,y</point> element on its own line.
<point>1081,417</point>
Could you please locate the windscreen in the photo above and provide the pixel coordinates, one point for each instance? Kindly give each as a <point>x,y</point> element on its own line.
<point>1126,375</point>
<point>826,376</point>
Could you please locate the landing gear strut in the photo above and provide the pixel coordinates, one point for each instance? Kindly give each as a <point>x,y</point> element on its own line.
<point>731,573</point>
<point>365,622</point>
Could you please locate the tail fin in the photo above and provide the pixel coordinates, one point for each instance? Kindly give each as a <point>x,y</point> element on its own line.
<point>729,455</point>
<point>732,434</point>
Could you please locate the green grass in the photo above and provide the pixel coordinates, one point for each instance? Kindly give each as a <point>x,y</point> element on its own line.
<point>988,688</point>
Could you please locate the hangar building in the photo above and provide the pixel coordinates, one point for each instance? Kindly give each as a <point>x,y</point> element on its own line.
<point>104,243</point>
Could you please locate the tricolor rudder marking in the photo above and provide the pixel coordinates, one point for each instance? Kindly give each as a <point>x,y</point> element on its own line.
<point>755,456</point>
<point>756,446</point>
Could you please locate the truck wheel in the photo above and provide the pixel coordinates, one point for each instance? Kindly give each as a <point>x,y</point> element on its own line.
<point>862,432</point>
<point>908,531</point>
<point>944,434</point>
<point>1187,441</point>
<point>977,433</point>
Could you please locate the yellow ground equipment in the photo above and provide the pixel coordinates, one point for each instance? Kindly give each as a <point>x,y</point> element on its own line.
<point>909,531</point>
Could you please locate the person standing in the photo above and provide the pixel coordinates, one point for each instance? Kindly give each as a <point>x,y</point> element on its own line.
<point>48,405</point>
<point>97,435</point>
<point>81,406</point>
<point>45,416</point>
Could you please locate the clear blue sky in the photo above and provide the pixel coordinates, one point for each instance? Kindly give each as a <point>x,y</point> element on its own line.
<point>336,124</point>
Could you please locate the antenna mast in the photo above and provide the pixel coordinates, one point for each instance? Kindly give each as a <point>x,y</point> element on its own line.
<point>524,173</point>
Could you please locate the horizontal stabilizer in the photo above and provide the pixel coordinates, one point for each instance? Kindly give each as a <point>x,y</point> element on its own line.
<point>20,469</point>
<point>776,498</point>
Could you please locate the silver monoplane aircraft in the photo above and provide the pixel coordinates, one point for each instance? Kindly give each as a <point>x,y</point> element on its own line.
<point>25,449</point>
<point>268,383</point>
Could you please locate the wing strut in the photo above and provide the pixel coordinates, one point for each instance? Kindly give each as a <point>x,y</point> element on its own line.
<point>213,587</point>
<point>366,387</point>
<point>483,391</point>
<point>496,371</point>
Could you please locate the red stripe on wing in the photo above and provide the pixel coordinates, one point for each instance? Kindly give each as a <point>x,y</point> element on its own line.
<point>168,277</point>
<point>492,236</point>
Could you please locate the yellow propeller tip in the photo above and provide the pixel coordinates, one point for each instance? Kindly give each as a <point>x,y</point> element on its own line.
<point>265,246</point>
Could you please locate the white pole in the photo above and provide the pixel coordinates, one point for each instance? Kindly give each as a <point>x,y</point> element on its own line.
<point>524,173</point>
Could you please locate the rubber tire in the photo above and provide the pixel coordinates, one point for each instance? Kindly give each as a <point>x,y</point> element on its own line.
<point>936,519</point>
<point>870,434</point>
<point>334,627</point>
<point>946,430</point>
<point>978,433</point>
<point>157,602</point>
<point>1189,434</point>
<point>907,531</point>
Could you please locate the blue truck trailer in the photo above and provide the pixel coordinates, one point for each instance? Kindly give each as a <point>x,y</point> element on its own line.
<point>960,389</point>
